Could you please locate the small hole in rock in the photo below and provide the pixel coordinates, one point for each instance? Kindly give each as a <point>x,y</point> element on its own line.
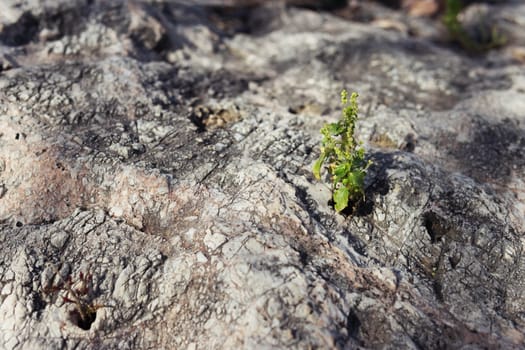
<point>434,226</point>
<point>359,208</point>
<point>19,224</point>
<point>353,324</point>
<point>454,260</point>
<point>409,144</point>
<point>438,290</point>
<point>83,322</point>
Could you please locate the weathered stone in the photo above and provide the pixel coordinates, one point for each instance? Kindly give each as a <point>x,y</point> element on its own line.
<point>155,164</point>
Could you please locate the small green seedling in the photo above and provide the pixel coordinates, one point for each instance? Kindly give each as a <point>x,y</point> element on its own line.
<point>486,37</point>
<point>345,156</point>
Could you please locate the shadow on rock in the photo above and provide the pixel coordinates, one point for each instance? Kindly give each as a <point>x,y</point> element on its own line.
<point>21,32</point>
<point>493,153</point>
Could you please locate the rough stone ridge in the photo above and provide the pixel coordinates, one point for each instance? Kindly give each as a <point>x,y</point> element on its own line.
<point>155,173</point>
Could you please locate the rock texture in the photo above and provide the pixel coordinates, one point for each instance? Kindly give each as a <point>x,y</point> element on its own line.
<point>155,174</point>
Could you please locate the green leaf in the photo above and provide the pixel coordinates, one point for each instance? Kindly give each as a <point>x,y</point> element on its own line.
<point>453,8</point>
<point>335,128</point>
<point>317,166</point>
<point>341,170</point>
<point>356,180</point>
<point>341,198</point>
<point>360,153</point>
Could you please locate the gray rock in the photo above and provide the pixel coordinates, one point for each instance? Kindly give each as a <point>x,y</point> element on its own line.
<point>156,187</point>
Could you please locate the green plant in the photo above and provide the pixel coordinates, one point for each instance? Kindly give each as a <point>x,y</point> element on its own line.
<point>345,156</point>
<point>483,37</point>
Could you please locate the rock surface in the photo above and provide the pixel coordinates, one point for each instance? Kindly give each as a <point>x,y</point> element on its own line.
<point>155,162</point>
